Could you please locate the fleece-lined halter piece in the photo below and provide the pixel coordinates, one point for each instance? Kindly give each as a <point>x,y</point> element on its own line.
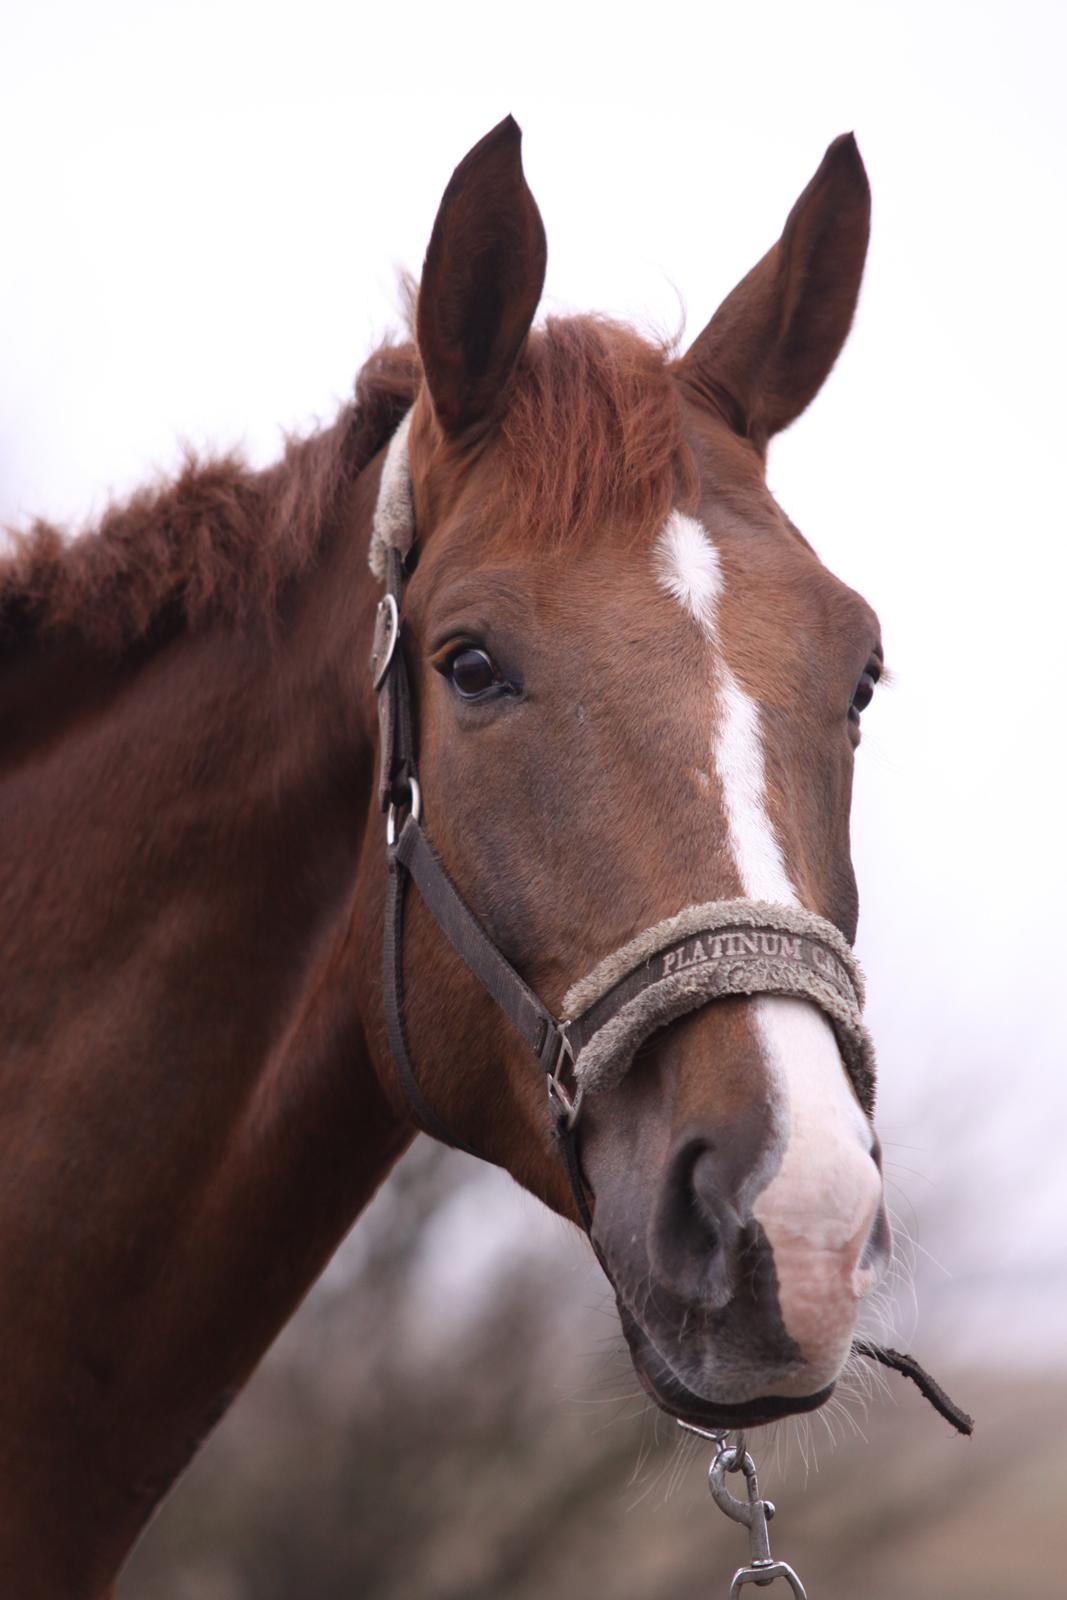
<point>704,953</point>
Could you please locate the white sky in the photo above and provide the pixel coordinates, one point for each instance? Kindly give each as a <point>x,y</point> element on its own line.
<point>205,205</point>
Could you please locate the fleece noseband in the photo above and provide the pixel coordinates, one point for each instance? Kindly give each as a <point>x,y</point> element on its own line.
<point>704,953</point>
<point>724,947</point>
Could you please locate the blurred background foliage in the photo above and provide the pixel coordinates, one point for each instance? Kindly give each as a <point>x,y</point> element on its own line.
<point>437,1425</point>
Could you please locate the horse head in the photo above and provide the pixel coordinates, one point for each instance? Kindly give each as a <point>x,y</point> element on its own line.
<point>636,689</point>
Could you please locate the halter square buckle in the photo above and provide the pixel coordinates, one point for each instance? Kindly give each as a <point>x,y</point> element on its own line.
<point>567,1100</point>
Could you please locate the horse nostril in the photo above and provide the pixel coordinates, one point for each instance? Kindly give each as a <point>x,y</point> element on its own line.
<point>706,1195</point>
<point>695,1229</point>
<point>879,1242</point>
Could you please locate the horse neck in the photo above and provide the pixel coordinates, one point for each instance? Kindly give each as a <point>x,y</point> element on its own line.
<point>191,1120</point>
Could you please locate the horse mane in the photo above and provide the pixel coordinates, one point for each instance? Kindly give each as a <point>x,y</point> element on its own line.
<point>590,435</point>
<point>220,539</point>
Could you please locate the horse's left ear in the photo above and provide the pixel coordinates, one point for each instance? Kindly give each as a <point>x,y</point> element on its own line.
<point>482,280</point>
<point>770,346</point>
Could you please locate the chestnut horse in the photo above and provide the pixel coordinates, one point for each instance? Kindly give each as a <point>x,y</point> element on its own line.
<point>634,688</point>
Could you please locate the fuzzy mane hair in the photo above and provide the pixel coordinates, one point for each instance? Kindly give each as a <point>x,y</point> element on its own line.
<point>590,440</point>
<point>220,539</point>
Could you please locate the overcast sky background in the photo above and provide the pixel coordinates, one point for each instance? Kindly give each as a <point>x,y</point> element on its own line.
<point>205,207</point>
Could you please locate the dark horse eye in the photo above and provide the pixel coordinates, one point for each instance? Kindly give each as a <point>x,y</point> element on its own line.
<point>863,692</point>
<point>473,673</point>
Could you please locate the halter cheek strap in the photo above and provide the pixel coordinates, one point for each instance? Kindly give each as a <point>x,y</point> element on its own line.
<point>720,948</point>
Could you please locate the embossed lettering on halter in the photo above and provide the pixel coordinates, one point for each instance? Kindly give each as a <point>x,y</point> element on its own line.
<point>706,952</point>
<point>742,942</point>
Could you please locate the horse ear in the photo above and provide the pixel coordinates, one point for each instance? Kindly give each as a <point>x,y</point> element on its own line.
<point>770,346</point>
<point>481,282</point>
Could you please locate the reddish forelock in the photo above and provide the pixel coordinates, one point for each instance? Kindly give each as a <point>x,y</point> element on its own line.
<point>591,436</point>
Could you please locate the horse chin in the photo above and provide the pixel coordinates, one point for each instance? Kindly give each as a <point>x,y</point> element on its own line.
<point>663,1385</point>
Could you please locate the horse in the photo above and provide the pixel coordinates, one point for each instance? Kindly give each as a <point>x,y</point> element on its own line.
<point>632,690</point>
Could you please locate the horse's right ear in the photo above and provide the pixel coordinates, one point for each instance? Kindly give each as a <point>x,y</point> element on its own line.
<point>768,349</point>
<point>481,282</point>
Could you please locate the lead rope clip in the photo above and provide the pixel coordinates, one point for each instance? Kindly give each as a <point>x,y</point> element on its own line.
<point>753,1513</point>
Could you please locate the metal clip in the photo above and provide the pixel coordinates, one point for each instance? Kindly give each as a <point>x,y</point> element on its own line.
<point>754,1514</point>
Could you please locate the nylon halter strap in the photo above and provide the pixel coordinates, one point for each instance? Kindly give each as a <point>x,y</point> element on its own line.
<point>734,947</point>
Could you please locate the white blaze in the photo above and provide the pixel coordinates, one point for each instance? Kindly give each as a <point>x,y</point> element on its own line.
<point>819,1207</point>
<point>689,569</point>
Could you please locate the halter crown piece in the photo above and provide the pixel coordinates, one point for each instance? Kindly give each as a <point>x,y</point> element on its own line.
<point>723,947</point>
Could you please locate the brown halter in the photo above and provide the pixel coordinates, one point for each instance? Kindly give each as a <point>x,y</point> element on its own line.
<point>648,982</point>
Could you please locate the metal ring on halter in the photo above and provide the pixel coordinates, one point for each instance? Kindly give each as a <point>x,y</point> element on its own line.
<point>387,608</point>
<point>716,1435</point>
<point>414,809</point>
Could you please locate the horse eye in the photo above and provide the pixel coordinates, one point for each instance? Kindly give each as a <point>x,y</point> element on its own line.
<point>473,673</point>
<point>863,693</point>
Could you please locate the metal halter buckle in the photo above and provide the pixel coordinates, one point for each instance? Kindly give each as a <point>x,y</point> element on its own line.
<point>412,809</point>
<point>389,615</point>
<point>568,1101</point>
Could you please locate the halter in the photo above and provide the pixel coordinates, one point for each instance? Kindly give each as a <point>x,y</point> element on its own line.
<point>705,952</point>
